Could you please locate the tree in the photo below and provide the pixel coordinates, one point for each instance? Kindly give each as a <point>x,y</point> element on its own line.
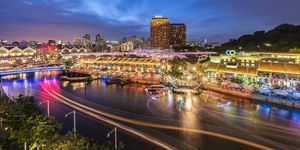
<point>28,105</point>
<point>110,146</point>
<point>69,142</point>
<point>26,121</point>
<point>16,112</point>
<point>37,131</point>
<point>69,63</point>
<point>237,79</point>
<point>294,50</point>
<point>283,38</point>
<point>177,68</point>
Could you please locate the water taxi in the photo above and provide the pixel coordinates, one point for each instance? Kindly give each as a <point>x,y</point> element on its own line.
<point>154,87</point>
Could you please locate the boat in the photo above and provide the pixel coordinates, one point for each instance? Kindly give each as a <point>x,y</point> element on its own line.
<point>74,79</point>
<point>296,96</point>
<point>160,93</point>
<point>115,81</point>
<point>155,87</point>
<point>265,90</point>
<point>63,78</point>
<point>282,93</point>
<point>11,77</point>
<point>78,79</point>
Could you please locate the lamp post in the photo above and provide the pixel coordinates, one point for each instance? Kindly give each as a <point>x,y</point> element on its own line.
<point>25,146</point>
<point>116,140</point>
<point>1,85</point>
<point>85,82</point>
<point>74,119</point>
<point>48,106</point>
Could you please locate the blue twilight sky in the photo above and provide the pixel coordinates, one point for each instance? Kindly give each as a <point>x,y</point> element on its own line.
<point>218,20</point>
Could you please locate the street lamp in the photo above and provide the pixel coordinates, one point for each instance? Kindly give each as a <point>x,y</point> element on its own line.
<point>25,146</point>
<point>1,80</point>
<point>48,106</point>
<point>74,119</point>
<point>110,132</point>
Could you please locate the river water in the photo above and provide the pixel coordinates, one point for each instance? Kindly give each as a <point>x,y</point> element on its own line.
<point>257,122</point>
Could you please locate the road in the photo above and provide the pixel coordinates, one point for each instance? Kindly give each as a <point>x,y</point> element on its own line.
<point>209,121</point>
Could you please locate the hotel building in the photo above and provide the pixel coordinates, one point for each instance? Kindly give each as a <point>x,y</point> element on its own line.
<point>177,34</point>
<point>160,32</point>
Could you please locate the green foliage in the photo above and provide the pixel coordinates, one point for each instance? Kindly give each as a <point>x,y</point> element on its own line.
<point>70,142</point>
<point>24,121</point>
<point>36,131</point>
<point>5,140</point>
<point>110,146</point>
<point>177,68</point>
<point>294,50</point>
<point>282,38</point>
<point>16,112</point>
<point>69,63</point>
<point>238,79</point>
<point>27,105</point>
<point>104,69</point>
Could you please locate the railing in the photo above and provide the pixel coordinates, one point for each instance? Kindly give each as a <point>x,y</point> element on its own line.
<point>27,70</point>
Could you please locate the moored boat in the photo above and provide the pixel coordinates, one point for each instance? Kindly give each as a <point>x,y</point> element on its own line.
<point>155,87</point>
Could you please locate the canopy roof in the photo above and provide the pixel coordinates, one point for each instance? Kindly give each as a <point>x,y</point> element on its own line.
<point>286,68</point>
<point>242,70</point>
<point>129,61</point>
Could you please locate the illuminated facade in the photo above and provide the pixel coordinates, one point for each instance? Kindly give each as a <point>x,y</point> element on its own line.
<point>74,50</point>
<point>141,70</point>
<point>141,65</point>
<point>160,32</point>
<point>127,46</point>
<point>16,57</point>
<point>177,34</point>
<point>276,69</point>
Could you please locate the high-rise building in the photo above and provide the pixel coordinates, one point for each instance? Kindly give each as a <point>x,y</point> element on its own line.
<point>87,40</point>
<point>51,42</point>
<point>160,32</point>
<point>128,46</point>
<point>77,42</point>
<point>100,42</point>
<point>137,41</point>
<point>177,34</point>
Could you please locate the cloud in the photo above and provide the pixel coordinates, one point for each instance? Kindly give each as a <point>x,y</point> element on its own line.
<point>218,20</point>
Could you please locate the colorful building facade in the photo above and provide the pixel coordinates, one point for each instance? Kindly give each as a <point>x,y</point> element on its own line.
<point>16,57</point>
<point>275,69</point>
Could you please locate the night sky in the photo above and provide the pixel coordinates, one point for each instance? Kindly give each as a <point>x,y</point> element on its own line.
<point>218,20</point>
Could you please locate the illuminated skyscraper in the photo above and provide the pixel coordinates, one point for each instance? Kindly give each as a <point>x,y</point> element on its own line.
<point>77,41</point>
<point>160,32</point>
<point>99,42</point>
<point>177,34</point>
<point>87,40</point>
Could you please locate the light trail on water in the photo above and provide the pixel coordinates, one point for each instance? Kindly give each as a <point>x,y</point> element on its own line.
<point>108,121</point>
<point>154,125</point>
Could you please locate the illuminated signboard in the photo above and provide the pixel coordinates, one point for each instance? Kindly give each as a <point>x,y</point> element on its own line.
<point>230,52</point>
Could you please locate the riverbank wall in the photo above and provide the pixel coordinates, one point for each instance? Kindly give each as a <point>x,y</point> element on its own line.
<point>269,99</point>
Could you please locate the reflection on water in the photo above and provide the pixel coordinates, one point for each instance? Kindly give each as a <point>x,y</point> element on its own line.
<point>219,112</point>
<point>171,106</point>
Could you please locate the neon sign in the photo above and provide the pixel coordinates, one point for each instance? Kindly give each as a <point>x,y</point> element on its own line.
<point>230,52</point>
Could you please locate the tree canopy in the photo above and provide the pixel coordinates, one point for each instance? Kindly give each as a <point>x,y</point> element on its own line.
<point>281,39</point>
<point>22,120</point>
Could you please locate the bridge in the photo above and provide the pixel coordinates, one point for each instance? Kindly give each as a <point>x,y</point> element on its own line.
<point>28,70</point>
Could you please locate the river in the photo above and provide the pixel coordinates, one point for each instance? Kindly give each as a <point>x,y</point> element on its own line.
<point>261,123</point>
